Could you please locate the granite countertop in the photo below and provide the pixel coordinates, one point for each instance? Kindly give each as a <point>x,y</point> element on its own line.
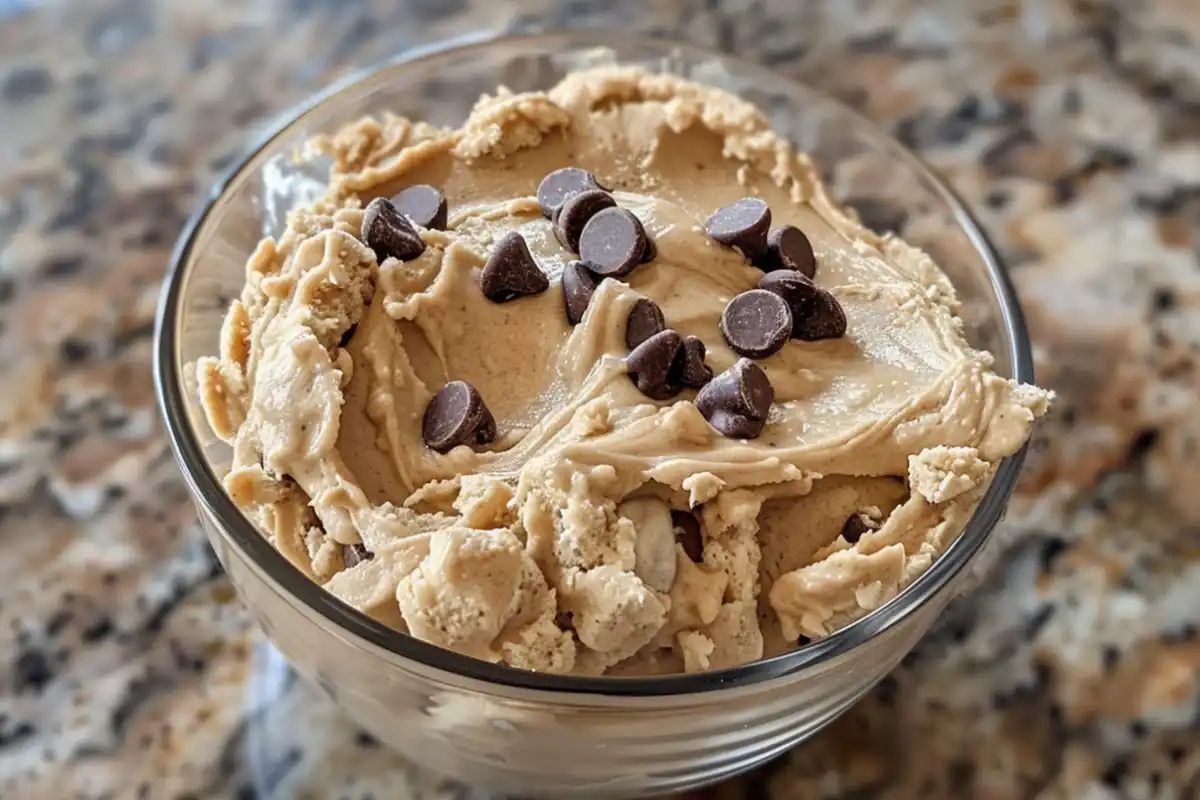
<point>128,667</point>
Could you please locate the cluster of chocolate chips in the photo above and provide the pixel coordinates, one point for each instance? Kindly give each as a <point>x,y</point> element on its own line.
<point>456,414</point>
<point>611,242</point>
<point>787,304</point>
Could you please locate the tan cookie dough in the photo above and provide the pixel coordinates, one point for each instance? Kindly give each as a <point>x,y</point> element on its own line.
<point>553,548</point>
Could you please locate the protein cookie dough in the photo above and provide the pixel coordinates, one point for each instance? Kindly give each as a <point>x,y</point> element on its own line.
<point>469,451</point>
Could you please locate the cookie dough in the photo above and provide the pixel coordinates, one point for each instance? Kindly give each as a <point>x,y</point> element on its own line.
<point>551,544</point>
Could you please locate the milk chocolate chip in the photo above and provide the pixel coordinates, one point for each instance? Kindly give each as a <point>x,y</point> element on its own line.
<point>756,323</point>
<point>511,272</point>
<point>424,205</point>
<point>457,415</point>
<point>389,233</point>
<point>742,224</point>
<point>737,401</point>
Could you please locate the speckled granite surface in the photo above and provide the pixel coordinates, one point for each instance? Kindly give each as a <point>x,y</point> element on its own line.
<point>130,670</point>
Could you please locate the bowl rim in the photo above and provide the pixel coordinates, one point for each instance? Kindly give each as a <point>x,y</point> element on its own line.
<point>207,490</point>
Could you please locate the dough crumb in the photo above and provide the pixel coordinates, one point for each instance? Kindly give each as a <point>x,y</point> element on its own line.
<point>940,474</point>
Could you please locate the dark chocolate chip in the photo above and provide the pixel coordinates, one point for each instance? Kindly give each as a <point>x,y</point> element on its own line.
<point>645,320</point>
<point>742,224</point>
<point>690,367</point>
<point>511,272</point>
<point>456,415</point>
<point>557,186</point>
<point>735,426</point>
<point>576,212</point>
<point>649,365</point>
<point>355,554</point>
<point>789,248</point>
<point>757,323</point>
<point>687,533</point>
<point>579,284</point>
<point>823,318</point>
<point>737,401</point>
<point>564,621</point>
<point>856,525</point>
<point>347,335</point>
<point>651,251</point>
<point>816,314</point>
<point>389,233</point>
<point>612,243</point>
<point>424,205</point>
<point>794,287</point>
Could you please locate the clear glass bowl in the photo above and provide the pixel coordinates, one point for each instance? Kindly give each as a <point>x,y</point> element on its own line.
<point>520,732</point>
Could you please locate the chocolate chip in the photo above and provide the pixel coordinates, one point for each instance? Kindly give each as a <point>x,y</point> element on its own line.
<point>742,224</point>
<point>456,415</point>
<point>689,367</point>
<point>651,251</point>
<point>347,335</point>
<point>737,401</point>
<point>687,533</point>
<point>821,319</point>
<point>794,287</point>
<point>612,243</point>
<point>645,320</point>
<point>756,323</point>
<point>557,186</point>
<point>789,248</point>
<point>424,205</point>
<point>511,272</point>
<point>856,525</point>
<point>355,554</point>
<point>389,233</point>
<point>576,212</point>
<point>816,314</point>
<point>579,284</point>
<point>649,365</point>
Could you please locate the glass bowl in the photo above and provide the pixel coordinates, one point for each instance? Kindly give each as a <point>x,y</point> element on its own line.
<point>508,730</point>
